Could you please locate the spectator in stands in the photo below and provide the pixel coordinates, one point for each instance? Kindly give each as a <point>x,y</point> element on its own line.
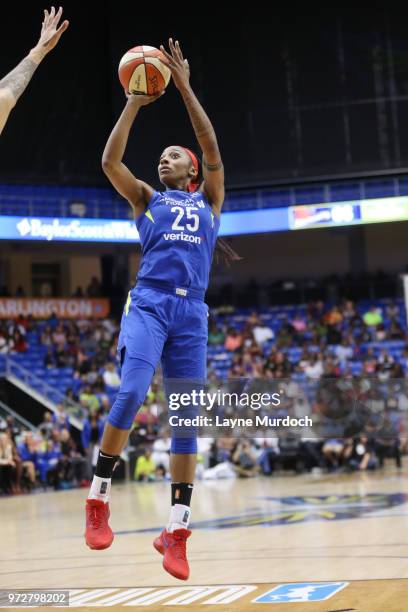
<point>88,399</point>
<point>53,320</point>
<point>369,362</point>
<point>385,364</point>
<point>145,467</point>
<point>333,453</point>
<point>285,335</point>
<point>299,323</point>
<point>47,425</point>
<point>7,464</point>
<point>314,369</point>
<point>161,450</point>
<point>49,360</point>
<point>334,334</point>
<point>46,336</point>
<point>269,449</point>
<point>12,427</point>
<point>344,351</point>
<point>315,310</point>
<point>373,317</point>
<point>70,397</point>
<point>387,443</point>
<point>245,460</point>
<point>88,344</point>
<point>392,311</point>
<point>91,436</point>
<point>395,331</point>
<point>60,357</point>
<point>358,454</point>
<point>6,343</point>
<point>276,362</point>
<point>262,333</point>
<point>27,450</point>
<point>47,461</point>
<point>78,463</point>
<point>92,376</point>
<point>19,343</point>
<point>79,293</point>
<point>215,335</point>
<point>333,316</point>
<point>233,340</point>
<point>110,376</point>
<point>60,418</point>
<point>59,337</point>
<point>380,333</point>
<point>94,289</point>
<point>348,310</point>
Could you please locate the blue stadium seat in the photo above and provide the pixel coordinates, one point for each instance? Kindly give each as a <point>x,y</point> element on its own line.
<point>379,189</point>
<point>344,192</point>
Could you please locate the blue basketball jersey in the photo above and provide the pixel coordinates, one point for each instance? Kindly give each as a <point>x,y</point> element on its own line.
<point>178,231</point>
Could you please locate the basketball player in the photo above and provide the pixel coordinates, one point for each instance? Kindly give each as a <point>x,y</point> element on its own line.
<point>165,316</point>
<point>15,82</point>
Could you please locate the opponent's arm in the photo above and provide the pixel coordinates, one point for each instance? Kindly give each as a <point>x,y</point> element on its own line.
<point>15,82</point>
<point>138,193</point>
<point>213,169</point>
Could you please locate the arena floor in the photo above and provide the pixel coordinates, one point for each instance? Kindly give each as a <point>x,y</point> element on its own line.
<point>249,536</point>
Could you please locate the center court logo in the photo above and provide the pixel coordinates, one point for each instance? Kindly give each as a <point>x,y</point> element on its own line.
<point>290,510</point>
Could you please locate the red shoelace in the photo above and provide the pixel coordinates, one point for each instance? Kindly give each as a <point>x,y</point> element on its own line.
<point>179,545</point>
<point>96,516</point>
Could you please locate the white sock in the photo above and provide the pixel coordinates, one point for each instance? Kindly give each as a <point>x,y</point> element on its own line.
<point>100,488</point>
<point>179,517</point>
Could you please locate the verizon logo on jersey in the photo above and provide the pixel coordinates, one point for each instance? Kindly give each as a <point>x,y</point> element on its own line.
<point>183,237</point>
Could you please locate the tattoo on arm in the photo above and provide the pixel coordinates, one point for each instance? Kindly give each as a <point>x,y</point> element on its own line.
<point>212,167</point>
<point>18,79</point>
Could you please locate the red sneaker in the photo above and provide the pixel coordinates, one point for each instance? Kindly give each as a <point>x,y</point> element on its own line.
<point>98,534</point>
<point>173,547</point>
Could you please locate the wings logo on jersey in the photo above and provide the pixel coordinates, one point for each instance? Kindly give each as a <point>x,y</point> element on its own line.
<point>190,200</point>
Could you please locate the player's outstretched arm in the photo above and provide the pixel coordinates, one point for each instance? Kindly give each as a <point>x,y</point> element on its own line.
<point>213,169</point>
<point>136,192</point>
<point>15,82</point>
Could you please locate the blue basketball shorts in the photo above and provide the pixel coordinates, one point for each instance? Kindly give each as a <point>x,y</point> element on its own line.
<point>160,326</point>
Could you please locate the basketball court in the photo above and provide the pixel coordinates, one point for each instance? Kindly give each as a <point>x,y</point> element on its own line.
<point>291,304</point>
<point>249,537</point>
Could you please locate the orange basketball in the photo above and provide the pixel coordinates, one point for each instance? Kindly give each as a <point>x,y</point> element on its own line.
<point>141,71</point>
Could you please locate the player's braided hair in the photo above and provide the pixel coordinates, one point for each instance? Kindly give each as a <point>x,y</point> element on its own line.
<point>224,252</point>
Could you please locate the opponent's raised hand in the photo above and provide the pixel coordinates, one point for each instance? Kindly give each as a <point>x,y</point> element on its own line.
<point>50,31</point>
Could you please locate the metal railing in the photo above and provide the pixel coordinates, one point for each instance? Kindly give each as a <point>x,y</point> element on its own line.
<point>43,392</point>
<point>106,204</point>
<point>6,411</point>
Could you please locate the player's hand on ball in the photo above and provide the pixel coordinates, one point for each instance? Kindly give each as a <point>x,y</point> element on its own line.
<point>142,100</point>
<point>50,32</point>
<point>177,64</point>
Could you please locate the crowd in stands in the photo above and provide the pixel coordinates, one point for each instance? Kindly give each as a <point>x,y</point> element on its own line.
<point>312,343</point>
<point>93,290</point>
<point>44,457</point>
